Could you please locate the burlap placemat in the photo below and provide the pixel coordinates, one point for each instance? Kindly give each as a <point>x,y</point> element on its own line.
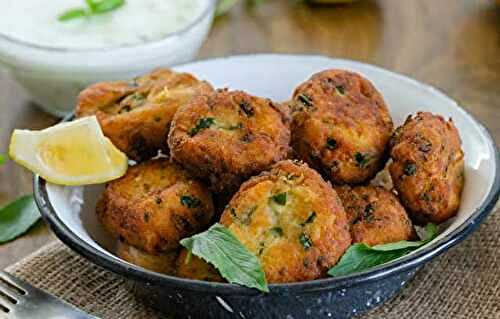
<point>462,283</point>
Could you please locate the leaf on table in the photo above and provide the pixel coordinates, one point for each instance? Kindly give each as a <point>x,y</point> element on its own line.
<point>219,247</point>
<point>3,159</point>
<point>17,217</point>
<point>360,256</point>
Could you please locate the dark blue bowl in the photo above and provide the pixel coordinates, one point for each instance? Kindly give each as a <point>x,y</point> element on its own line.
<point>340,297</point>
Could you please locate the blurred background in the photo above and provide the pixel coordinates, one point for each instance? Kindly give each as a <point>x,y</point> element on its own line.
<point>453,45</point>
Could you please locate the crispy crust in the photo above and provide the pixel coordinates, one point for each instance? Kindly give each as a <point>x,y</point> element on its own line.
<point>428,167</point>
<point>136,115</point>
<point>299,240</point>
<point>341,126</point>
<point>196,268</point>
<point>229,136</point>
<point>375,215</point>
<point>145,208</point>
<point>163,263</point>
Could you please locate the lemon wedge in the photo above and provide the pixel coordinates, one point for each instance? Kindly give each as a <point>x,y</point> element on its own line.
<point>70,153</point>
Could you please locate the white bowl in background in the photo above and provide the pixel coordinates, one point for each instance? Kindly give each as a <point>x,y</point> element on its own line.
<point>54,76</point>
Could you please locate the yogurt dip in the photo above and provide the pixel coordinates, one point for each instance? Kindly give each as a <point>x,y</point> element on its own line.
<point>137,21</point>
<point>54,60</point>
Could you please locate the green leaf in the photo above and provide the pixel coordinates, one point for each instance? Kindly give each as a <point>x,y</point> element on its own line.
<point>17,217</point>
<point>93,7</point>
<point>280,198</point>
<point>3,159</point>
<point>108,5</point>
<point>201,124</point>
<point>219,247</point>
<point>72,14</point>
<point>431,231</point>
<point>91,4</point>
<point>360,256</point>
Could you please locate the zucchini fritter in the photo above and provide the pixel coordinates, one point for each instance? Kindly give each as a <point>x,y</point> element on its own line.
<point>375,215</point>
<point>341,126</point>
<point>428,167</point>
<point>163,263</point>
<point>136,115</point>
<point>229,136</point>
<point>155,205</point>
<point>193,267</point>
<point>292,220</point>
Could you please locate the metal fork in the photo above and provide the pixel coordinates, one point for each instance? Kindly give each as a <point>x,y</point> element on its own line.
<point>20,300</point>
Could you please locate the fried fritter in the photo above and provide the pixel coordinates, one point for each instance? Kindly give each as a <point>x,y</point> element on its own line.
<point>341,126</point>
<point>136,115</point>
<point>229,136</point>
<point>163,263</point>
<point>375,215</point>
<point>193,267</point>
<point>155,205</point>
<point>428,167</point>
<point>292,220</point>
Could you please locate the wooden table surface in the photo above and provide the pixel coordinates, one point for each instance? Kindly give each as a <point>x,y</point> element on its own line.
<point>453,45</point>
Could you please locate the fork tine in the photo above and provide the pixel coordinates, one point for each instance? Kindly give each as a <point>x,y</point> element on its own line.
<point>7,295</point>
<point>14,283</point>
<point>3,308</point>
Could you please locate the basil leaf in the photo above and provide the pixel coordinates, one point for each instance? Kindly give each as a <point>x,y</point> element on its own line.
<point>17,217</point>
<point>3,159</point>
<point>108,5</point>
<point>219,247</point>
<point>72,14</point>
<point>431,233</point>
<point>360,256</point>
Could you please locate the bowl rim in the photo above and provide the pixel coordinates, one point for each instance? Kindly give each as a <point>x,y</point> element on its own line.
<point>209,9</point>
<point>402,264</point>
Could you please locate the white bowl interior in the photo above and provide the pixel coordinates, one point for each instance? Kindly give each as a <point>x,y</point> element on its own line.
<point>275,76</point>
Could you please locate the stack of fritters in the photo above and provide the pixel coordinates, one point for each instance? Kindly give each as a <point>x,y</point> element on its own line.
<point>237,147</point>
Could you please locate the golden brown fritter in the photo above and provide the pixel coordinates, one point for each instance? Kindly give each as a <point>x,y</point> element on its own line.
<point>229,136</point>
<point>428,167</point>
<point>136,115</point>
<point>193,267</point>
<point>341,126</point>
<point>292,220</point>
<point>375,215</point>
<point>162,263</point>
<point>155,205</point>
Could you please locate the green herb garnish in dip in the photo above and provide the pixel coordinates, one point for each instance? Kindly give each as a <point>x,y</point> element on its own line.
<point>93,7</point>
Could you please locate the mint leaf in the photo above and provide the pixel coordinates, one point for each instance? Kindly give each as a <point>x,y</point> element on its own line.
<point>3,159</point>
<point>219,247</point>
<point>108,5</point>
<point>72,14</point>
<point>93,7</point>
<point>92,4</point>
<point>17,217</point>
<point>360,256</point>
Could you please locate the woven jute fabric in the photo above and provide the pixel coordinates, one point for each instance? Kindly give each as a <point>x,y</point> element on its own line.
<point>463,283</point>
